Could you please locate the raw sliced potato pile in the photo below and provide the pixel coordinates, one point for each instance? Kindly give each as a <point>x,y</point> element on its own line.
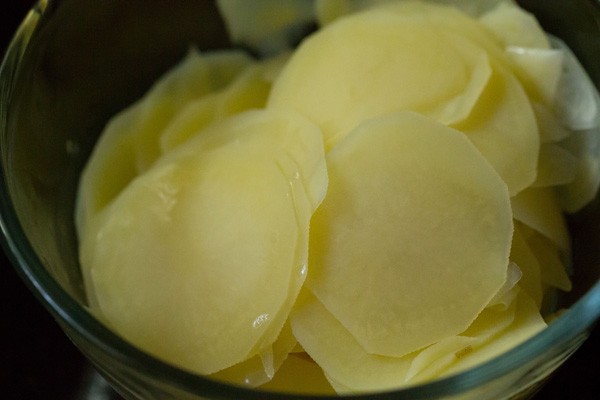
<point>378,208</point>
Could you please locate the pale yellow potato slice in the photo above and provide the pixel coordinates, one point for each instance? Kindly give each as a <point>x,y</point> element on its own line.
<point>129,143</point>
<point>389,255</point>
<point>502,126</point>
<point>504,297</point>
<point>553,271</point>
<point>538,208</point>
<point>109,170</point>
<point>376,63</point>
<point>216,237</point>
<point>527,322</point>
<point>343,360</point>
<point>275,354</point>
<point>299,374</point>
<point>429,363</point>
<point>538,69</point>
<point>261,368</point>
<point>521,254</point>
<point>267,26</point>
<point>513,26</point>
<point>556,166</point>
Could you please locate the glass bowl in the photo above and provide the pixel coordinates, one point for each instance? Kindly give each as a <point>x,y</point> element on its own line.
<point>74,63</point>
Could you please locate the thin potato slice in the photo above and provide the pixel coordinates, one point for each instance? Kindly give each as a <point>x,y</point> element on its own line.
<point>376,63</point>
<point>261,368</point>
<point>527,322</point>
<point>110,169</point>
<point>521,254</point>
<point>502,126</point>
<point>399,267</point>
<point>553,270</point>
<point>216,237</point>
<point>538,208</point>
<point>430,362</point>
<point>343,360</point>
<point>504,297</point>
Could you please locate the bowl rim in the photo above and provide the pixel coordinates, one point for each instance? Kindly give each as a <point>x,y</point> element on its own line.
<point>570,326</point>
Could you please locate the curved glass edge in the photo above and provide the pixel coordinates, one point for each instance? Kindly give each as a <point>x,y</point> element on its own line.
<point>78,320</point>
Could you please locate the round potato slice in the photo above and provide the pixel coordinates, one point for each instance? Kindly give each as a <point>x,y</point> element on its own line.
<point>380,62</point>
<point>526,323</point>
<point>503,127</point>
<point>344,361</point>
<point>539,209</point>
<point>413,239</point>
<point>196,260</point>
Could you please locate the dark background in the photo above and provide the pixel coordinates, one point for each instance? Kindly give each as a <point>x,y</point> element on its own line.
<point>37,361</point>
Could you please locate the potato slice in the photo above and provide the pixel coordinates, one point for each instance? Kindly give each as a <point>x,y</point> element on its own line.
<point>502,126</point>
<point>216,237</point>
<point>430,362</point>
<point>261,368</point>
<point>521,254</point>
<point>341,357</point>
<point>527,322</point>
<point>129,143</point>
<point>389,255</point>
<point>538,208</point>
<point>553,271</point>
<point>109,170</point>
<point>504,297</point>
<point>349,369</point>
<point>376,63</point>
